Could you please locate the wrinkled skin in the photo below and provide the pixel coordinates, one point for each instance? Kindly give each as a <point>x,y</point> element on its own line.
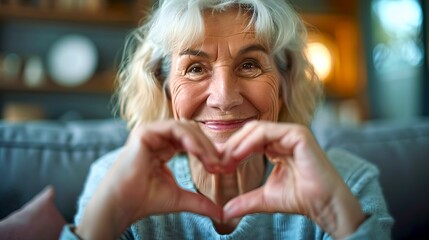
<point>225,97</point>
<point>222,83</point>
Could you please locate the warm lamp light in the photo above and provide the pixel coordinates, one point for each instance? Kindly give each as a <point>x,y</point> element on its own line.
<point>332,48</point>
<point>321,58</point>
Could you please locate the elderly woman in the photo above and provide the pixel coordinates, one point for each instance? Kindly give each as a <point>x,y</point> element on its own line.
<point>227,72</point>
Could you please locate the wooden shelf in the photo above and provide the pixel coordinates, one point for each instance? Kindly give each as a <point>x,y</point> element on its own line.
<point>52,20</point>
<point>124,14</point>
<point>117,15</point>
<point>114,13</point>
<point>102,83</point>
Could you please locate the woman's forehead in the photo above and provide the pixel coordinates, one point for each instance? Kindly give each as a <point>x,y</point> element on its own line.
<point>233,24</point>
<point>228,29</point>
<point>226,23</point>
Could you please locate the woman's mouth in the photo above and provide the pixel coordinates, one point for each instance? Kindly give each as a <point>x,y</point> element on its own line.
<point>225,125</point>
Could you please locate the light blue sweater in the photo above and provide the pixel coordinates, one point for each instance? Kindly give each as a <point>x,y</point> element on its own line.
<point>360,176</point>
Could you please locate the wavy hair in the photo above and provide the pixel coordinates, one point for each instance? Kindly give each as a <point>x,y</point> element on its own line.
<point>176,24</point>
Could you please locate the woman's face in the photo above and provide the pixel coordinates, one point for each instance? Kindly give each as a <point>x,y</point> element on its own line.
<point>227,80</point>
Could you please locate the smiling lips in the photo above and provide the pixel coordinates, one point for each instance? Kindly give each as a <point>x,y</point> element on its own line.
<point>223,125</point>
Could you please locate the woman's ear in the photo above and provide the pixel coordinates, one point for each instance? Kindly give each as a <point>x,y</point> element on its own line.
<point>281,99</point>
<point>282,107</point>
<point>283,114</point>
<point>167,96</point>
<point>166,89</point>
<point>285,77</point>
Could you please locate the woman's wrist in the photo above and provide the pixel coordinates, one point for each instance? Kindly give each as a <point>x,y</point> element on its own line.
<point>342,216</point>
<point>103,219</point>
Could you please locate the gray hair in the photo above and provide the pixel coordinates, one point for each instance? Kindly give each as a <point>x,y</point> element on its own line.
<point>176,24</point>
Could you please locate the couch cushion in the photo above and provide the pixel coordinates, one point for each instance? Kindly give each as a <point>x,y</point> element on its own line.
<point>36,154</point>
<point>401,152</point>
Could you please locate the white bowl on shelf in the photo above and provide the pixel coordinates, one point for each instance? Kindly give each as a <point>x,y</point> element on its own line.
<point>72,60</point>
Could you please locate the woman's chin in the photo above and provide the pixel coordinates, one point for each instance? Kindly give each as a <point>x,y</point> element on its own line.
<point>219,141</point>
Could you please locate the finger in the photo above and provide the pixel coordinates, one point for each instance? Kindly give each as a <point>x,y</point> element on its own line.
<point>251,202</point>
<point>262,136</point>
<point>181,136</point>
<point>203,140</point>
<point>237,137</point>
<point>228,161</point>
<point>197,143</point>
<point>197,203</point>
<point>273,139</point>
<point>245,145</point>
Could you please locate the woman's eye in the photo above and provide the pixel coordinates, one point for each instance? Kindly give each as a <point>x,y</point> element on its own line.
<point>196,72</point>
<point>249,69</point>
<point>248,65</point>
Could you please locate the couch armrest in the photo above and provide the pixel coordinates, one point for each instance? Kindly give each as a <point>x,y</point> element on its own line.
<point>401,152</point>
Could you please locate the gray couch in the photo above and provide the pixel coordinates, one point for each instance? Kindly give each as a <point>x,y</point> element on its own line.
<point>36,154</point>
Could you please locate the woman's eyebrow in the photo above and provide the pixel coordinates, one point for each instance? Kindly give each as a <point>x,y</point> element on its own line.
<point>244,50</point>
<point>192,52</point>
<point>251,48</point>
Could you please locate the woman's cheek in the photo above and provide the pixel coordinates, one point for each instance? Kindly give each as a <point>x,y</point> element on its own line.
<point>266,98</point>
<point>185,98</point>
<point>270,111</point>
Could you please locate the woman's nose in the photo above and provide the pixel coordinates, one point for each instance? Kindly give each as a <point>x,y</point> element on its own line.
<point>225,92</point>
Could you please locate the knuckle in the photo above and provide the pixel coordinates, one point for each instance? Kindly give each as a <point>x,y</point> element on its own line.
<point>139,131</point>
<point>301,130</point>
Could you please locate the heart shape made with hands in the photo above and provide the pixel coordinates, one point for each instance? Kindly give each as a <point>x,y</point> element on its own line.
<point>301,180</point>
<point>302,177</point>
<point>229,163</point>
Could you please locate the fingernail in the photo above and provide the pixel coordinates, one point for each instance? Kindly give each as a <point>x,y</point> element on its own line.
<point>225,216</point>
<point>235,153</point>
<point>227,210</point>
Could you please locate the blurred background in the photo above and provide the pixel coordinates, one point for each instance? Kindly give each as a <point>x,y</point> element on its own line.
<point>58,58</point>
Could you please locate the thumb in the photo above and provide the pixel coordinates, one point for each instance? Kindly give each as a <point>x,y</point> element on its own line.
<point>197,203</point>
<point>251,202</point>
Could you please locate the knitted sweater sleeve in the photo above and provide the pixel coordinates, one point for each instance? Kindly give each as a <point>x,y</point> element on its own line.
<point>97,172</point>
<point>362,179</point>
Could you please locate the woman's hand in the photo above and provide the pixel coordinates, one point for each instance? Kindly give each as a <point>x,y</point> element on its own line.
<point>303,180</point>
<point>139,184</point>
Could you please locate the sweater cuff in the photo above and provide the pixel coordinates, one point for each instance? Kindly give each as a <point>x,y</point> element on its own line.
<point>371,228</point>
